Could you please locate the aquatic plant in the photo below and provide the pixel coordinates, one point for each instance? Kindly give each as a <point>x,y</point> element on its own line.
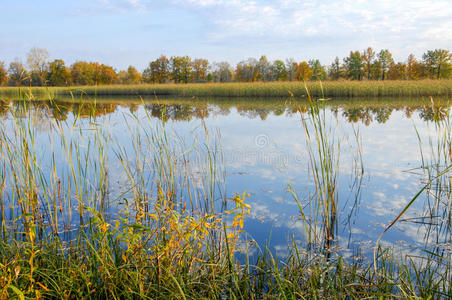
<point>148,218</point>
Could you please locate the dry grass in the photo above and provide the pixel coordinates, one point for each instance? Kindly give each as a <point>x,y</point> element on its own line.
<point>268,89</point>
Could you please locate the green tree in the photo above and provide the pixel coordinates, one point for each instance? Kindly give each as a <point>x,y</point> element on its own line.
<point>318,71</point>
<point>354,65</point>
<point>181,68</point>
<point>438,63</point>
<point>375,72</point>
<point>335,70</point>
<point>58,74</point>
<point>279,71</point>
<point>385,60</point>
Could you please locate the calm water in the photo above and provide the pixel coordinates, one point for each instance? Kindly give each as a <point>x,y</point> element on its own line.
<point>384,145</point>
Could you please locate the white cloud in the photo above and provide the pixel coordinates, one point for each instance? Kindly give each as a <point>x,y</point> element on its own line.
<point>410,23</point>
<point>382,205</point>
<point>125,5</point>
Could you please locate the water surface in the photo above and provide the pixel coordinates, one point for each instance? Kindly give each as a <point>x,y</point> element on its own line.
<point>389,148</point>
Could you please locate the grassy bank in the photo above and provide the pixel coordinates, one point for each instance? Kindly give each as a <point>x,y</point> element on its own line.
<point>270,89</point>
<point>171,233</point>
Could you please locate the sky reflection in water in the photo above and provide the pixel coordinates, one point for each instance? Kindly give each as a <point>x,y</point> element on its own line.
<point>264,150</point>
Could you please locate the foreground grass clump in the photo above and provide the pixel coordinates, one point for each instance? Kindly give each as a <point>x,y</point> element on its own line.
<point>37,271</point>
<point>65,232</point>
<point>267,89</point>
<point>174,256</point>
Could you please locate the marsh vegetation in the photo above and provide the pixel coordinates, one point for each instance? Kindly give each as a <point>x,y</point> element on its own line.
<point>332,89</point>
<point>168,199</point>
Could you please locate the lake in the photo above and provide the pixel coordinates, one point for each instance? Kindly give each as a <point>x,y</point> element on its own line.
<point>384,152</point>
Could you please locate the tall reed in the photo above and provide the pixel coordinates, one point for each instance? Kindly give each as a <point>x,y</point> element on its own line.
<point>158,233</point>
<point>349,89</point>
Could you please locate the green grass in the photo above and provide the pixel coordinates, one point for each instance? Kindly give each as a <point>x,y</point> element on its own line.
<point>270,89</point>
<point>174,236</point>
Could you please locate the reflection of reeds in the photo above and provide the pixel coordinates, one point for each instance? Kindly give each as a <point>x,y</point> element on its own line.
<point>438,208</point>
<point>435,263</point>
<point>324,149</point>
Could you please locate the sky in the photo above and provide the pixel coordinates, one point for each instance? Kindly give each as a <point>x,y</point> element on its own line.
<point>134,32</point>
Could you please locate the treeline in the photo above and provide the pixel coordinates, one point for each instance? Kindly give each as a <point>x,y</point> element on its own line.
<point>359,65</point>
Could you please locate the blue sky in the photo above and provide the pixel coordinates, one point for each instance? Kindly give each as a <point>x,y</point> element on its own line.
<point>134,32</point>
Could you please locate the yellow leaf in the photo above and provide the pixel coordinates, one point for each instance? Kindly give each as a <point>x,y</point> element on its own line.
<point>38,295</point>
<point>42,286</point>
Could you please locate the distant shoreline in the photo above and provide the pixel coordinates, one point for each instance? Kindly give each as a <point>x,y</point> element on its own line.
<point>390,88</point>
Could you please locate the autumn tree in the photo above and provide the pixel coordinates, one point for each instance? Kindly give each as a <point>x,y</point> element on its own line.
<point>123,77</point>
<point>17,74</point>
<point>368,57</point>
<point>105,74</point>
<point>83,73</point>
<point>200,67</point>
<point>437,63</point>
<point>241,72</point>
<point>133,76</point>
<point>397,71</point>
<point>414,69</point>
<point>304,72</point>
<point>385,61</point>
<point>92,73</point>
<point>354,65</point>
<point>247,70</point>
<point>3,74</point>
<point>158,71</point>
<point>58,74</point>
